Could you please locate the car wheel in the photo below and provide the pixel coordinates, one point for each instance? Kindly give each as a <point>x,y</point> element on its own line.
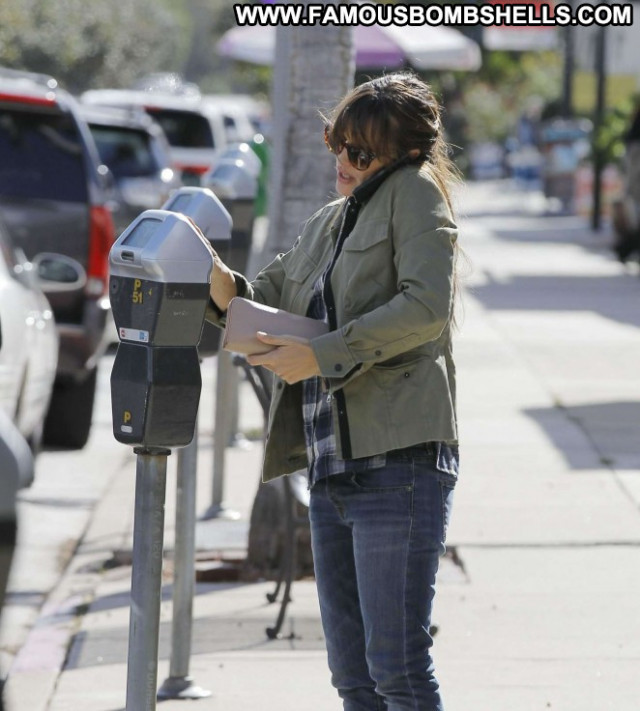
<point>68,420</point>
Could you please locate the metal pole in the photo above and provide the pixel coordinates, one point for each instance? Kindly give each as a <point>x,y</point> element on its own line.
<point>601,76</point>
<point>222,431</point>
<point>567,74</point>
<point>146,578</point>
<point>179,685</point>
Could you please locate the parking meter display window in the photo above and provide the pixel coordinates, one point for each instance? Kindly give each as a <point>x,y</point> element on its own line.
<point>179,204</point>
<point>155,394</point>
<point>141,235</point>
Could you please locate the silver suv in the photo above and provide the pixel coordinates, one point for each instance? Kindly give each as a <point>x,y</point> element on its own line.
<point>54,197</point>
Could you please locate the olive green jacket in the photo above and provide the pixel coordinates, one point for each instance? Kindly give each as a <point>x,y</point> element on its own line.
<point>388,365</point>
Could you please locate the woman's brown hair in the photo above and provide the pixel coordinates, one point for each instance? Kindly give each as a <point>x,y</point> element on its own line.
<point>391,116</point>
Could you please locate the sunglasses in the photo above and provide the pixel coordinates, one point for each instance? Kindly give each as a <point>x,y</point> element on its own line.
<point>358,157</point>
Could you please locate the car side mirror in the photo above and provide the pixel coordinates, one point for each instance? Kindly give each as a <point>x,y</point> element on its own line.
<point>56,272</point>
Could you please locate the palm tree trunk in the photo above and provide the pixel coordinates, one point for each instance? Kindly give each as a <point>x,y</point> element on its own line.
<point>314,68</point>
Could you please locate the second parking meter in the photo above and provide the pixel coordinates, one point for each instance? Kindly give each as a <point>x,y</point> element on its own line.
<point>160,272</point>
<point>235,181</point>
<point>206,210</point>
<point>214,221</point>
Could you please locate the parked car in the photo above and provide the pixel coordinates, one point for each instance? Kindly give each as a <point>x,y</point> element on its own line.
<point>28,336</point>
<point>54,197</point>
<point>28,343</point>
<point>134,148</point>
<point>240,115</point>
<point>194,128</point>
<point>243,115</point>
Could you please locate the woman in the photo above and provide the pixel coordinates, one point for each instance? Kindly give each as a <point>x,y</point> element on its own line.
<point>369,408</point>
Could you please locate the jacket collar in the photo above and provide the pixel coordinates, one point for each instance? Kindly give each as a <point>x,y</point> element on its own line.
<point>366,189</point>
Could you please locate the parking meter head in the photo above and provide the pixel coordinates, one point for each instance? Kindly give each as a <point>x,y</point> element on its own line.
<point>212,218</point>
<point>163,246</point>
<point>160,271</point>
<point>237,187</point>
<point>232,179</point>
<point>244,152</point>
<point>205,209</point>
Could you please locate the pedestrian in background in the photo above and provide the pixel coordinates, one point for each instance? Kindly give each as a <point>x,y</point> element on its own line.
<point>626,210</point>
<point>369,408</point>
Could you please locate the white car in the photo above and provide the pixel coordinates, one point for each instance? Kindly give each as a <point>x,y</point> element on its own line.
<point>195,128</point>
<point>28,336</point>
<point>243,116</point>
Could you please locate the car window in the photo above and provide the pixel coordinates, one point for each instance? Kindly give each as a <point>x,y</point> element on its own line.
<point>41,156</point>
<point>125,151</point>
<point>231,128</point>
<point>184,129</point>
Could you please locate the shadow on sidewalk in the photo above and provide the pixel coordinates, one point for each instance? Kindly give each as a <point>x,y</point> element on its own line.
<point>243,630</point>
<point>538,229</point>
<point>122,600</point>
<point>615,297</point>
<point>613,429</point>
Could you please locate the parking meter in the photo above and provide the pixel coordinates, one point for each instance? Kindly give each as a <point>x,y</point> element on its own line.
<point>206,210</point>
<point>213,219</point>
<point>235,181</point>
<point>245,153</point>
<point>160,271</point>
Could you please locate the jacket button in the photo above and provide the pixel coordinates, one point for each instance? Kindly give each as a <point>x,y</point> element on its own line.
<point>338,367</point>
<point>378,353</point>
<point>407,375</point>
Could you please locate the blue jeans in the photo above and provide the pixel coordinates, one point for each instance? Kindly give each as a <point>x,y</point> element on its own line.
<point>377,535</point>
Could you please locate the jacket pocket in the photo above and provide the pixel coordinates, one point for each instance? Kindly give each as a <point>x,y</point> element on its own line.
<point>366,235</point>
<point>300,268</point>
<point>298,286</point>
<point>365,272</point>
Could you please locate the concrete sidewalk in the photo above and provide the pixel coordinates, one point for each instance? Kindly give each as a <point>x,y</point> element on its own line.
<point>538,602</point>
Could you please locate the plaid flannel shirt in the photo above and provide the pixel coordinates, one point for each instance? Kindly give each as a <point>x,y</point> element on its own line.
<point>319,436</point>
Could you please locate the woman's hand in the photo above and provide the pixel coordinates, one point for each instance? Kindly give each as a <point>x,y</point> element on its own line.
<point>291,359</point>
<point>223,285</point>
